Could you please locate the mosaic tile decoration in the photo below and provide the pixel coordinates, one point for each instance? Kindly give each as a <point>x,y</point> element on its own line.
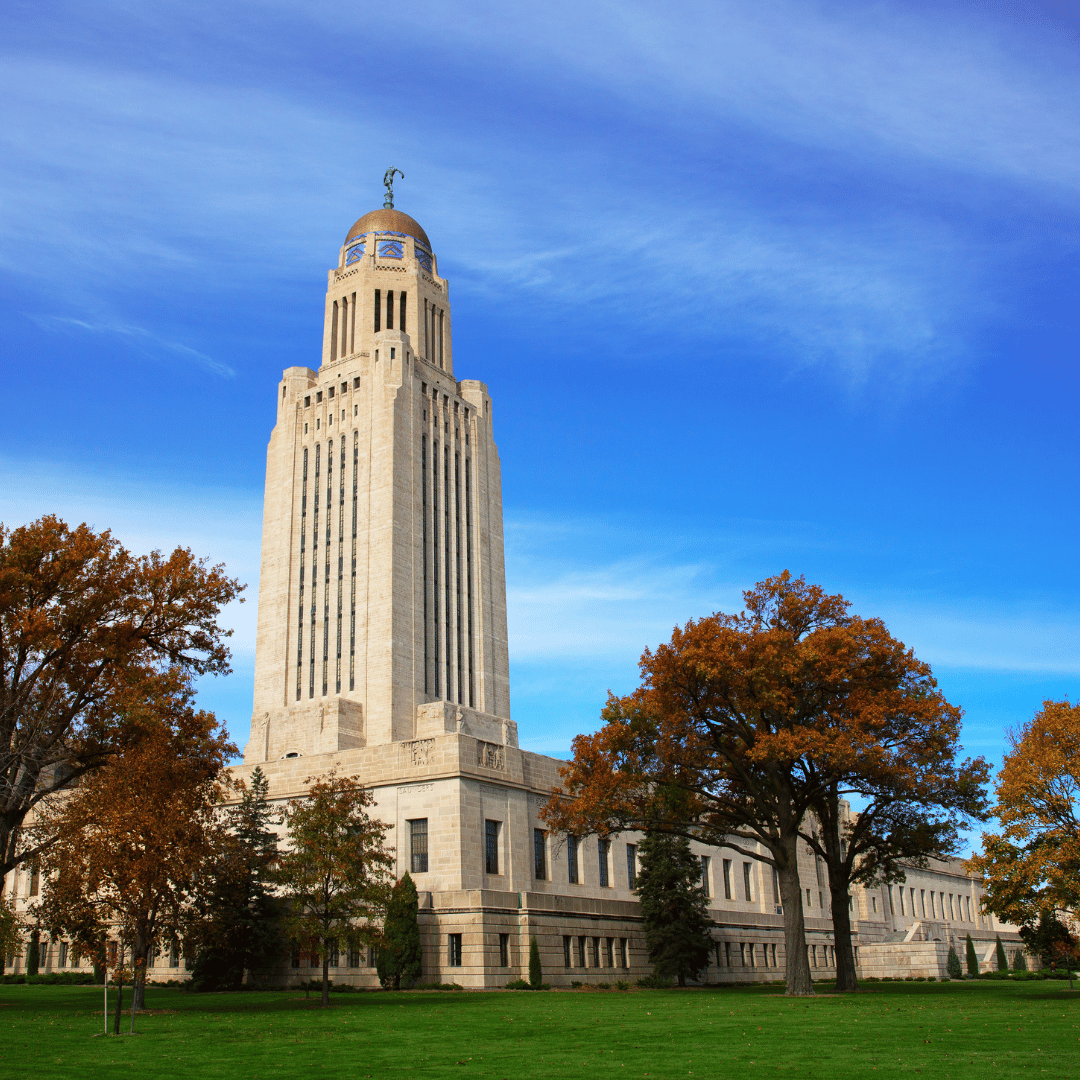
<point>354,254</point>
<point>423,258</point>
<point>391,249</point>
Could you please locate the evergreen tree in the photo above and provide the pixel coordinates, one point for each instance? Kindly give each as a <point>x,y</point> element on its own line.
<point>239,916</point>
<point>34,953</point>
<point>972,959</point>
<point>952,965</point>
<point>673,906</point>
<point>999,955</point>
<point>1019,961</point>
<point>536,975</point>
<point>399,952</point>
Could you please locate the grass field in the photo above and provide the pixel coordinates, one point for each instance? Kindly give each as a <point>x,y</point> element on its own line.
<point>978,1029</point>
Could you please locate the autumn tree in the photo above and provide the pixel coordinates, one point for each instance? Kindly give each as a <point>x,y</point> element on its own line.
<point>87,630</point>
<point>398,962</point>
<point>132,841</point>
<point>673,907</point>
<point>740,728</point>
<point>1032,866</point>
<point>336,875</point>
<point>236,924</point>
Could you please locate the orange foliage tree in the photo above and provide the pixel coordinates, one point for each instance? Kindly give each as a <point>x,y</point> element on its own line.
<point>336,874</point>
<point>1032,867</point>
<point>133,840</point>
<point>88,630</point>
<point>741,725</point>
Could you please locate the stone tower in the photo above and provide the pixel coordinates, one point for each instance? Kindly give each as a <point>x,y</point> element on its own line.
<point>382,596</point>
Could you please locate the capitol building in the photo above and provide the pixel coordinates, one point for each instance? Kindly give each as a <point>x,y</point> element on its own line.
<point>381,652</point>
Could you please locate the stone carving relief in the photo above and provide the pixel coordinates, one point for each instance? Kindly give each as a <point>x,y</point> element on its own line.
<point>417,752</point>
<point>490,755</point>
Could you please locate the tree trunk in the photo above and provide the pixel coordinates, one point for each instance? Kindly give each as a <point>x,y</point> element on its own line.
<point>119,989</point>
<point>797,965</point>
<point>839,888</point>
<point>140,951</point>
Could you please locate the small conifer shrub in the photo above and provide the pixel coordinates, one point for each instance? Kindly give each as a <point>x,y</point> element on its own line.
<point>536,975</point>
<point>972,959</point>
<point>952,965</point>
<point>999,955</point>
<point>1019,961</point>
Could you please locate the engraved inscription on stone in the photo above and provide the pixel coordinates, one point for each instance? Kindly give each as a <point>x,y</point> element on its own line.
<point>490,755</point>
<point>409,789</point>
<point>417,752</point>
<point>490,789</point>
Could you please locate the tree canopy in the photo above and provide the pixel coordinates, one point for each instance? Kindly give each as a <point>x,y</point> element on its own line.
<point>87,630</point>
<point>1032,866</point>
<point>744,723</point>
<point>336,874</point>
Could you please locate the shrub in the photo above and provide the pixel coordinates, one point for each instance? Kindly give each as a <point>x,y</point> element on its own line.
<point>654,982</point>
<point>972,959</point>
<point>952,965</point>
<point>999,955</point>
<point>603,986</point>
<point>536,974</point>
<point>622,984</point>
<point>518,984</point>
<point>931,978</point>
<point>1019,961</point>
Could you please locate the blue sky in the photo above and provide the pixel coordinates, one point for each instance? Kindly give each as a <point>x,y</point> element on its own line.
<point>753,286</point>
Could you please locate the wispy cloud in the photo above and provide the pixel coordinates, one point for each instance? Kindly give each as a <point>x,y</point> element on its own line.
<point>141,340</point>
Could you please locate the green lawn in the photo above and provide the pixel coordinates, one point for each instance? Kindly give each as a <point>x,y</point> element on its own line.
<point>979,1029</point>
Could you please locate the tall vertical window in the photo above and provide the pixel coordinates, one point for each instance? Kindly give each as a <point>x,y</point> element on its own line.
<point>624,959</point>
<point>610,957</point>
<point>572,859</point>
<point>427,557</point>
<point>352,324</point>
<point>900,893</point>
<point>491,847</point>
<point>727,879</point>
<point>352,585</point>
<point>539,854</point>
<point>63,958</point>
<point>504,939</point>
<point>773,947</point>
<point>340,567</point>
<point>418,846</point>
<point>326,584</point>
<point>566,943</point>
<point>631,866</point>
<point>453,950</point>
<point>457,577</point>
<point>922,901</point>
<point>582,947</point>
<point>303,539</point>
<point>333,331</point>
<point>967,904</point>
<point>705,875</point>
<point>354,955</point>
<point>314,571</point>
<point>377,308</point>
<point>440,337</point>
<point>401,313</point>
<point>448,573</point>
<point>775,886</point>
<point>469,579</point>
<point>747,894</point>
<point>603,849</point>
<point>435,550</point>
<point>389,309</point>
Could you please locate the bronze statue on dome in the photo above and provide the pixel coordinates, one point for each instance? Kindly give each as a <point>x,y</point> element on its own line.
<point>388,183</point>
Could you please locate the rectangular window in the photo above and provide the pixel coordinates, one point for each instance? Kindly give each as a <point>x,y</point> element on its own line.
<point>623,957</point>
<point>418,846</point>
<point>453,950</point>
<point>491,847</point>
<point>873,901</point>
<point>631,866</point>
<point>813,956</point>
<point>742,953</point>
<point>747,895</point>
<point>967,902</point>
<point>566,943</point>
<point>539,854</point>
<point>775,886</point>
<point>750,950</point>
<point>892,906</point>
<point>354,956</point>
<point>610,952</point>
<point>378,310</point>
<point>773,947</point>
<point>809,901</point>
<point>571,859</point>
<point>922,902</point>
<point>952,910</point>
<point>62,961</point>
<point>581,957</point>
<point>35,878</point>
<point>727,953</point>
<point>334,956</point>
<point>602,848</point>
<point>901,892</point>
<point>705,875</point>
<point>504,939</point>
<point>727,879</point>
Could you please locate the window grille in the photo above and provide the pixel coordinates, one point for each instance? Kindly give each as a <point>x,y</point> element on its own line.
<point>491,847</point>
<point>705,875</point>
<point>727,879</point>
<point>418,845</point>
<point>539,854</point>
<point>504,950</point>
<point>454,950</point>
<point>571,859</point>
<point>602,848</point>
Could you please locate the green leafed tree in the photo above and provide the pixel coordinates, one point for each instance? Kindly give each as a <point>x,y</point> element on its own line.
<point>536,974</point>
<point>336,874</point>
<point>952,965</point>
<point>398,963</point>
<point>673,907</point>
<point>1019,961</point>
<point>972,959</point>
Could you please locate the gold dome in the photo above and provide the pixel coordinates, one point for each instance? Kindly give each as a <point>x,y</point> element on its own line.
<point>388,221</point>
